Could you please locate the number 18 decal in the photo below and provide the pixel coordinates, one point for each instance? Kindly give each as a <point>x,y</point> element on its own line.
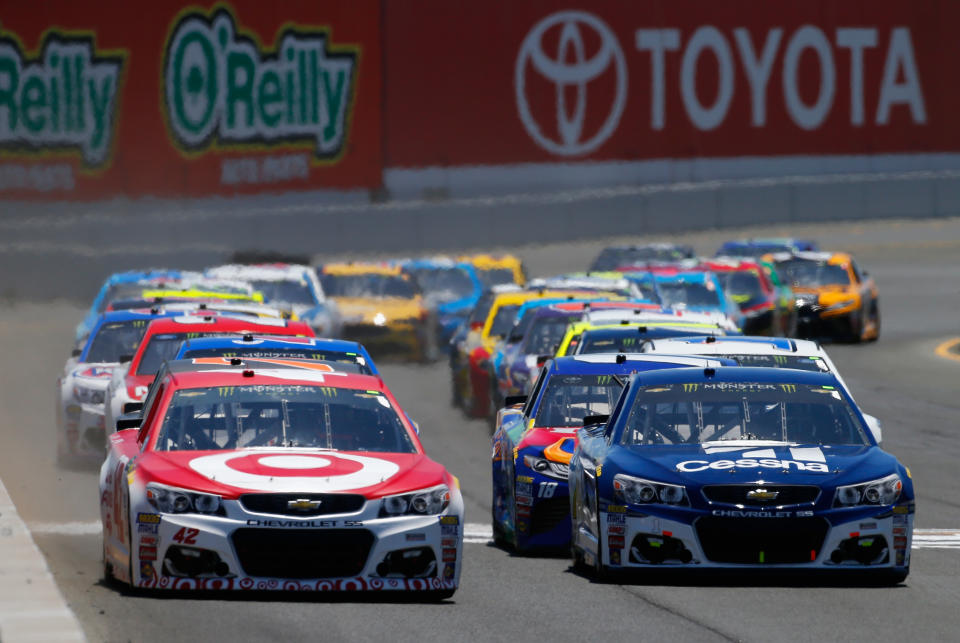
<point>546,489</point>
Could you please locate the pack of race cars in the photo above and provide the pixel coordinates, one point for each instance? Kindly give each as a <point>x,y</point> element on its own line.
<point>658,412</point>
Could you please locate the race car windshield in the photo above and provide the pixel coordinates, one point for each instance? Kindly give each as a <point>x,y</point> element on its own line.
<point>324,417</point>
<point>807,273</point>
<point>687,294</point>
<point>503,320</point>
<point>545,335</point>
<point>782,361</point>
<point>695,413</point>
<point>281,353</point>
<point>629,340</point>
<point>368,285</point>
<point>115,339</point>
<point>613,258</point>
<point>288,292</point>
<point>163,347</point>
<point>570,398</point>
<point>495,277</point>
<point>744,287</point>
<point>443,284</point>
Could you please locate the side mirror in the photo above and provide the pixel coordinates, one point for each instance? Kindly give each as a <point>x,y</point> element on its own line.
<point>132,407</point>
<point>129,421</point>
<point>595,419</point>
<point>513,400</point>
<point>874,425</point>
<point>75,352</point>
<point>126,358</point>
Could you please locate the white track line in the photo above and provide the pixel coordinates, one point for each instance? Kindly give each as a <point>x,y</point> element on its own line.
<point>481,533</point>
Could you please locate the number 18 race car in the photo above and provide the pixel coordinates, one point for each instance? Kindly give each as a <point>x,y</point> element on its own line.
<point>289,478</point>
<point>739,468</point>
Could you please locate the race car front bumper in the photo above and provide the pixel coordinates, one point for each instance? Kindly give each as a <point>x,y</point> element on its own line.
<point>260,552</point>
<point>730,540</point>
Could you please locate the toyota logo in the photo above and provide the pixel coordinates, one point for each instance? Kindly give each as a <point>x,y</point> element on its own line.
<point>570,63</point>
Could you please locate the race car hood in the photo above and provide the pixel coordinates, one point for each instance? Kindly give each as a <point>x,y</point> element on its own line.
<point>828,295</point>
<point>285,470</point>
<point>354,309</point>
<point>755,460</point>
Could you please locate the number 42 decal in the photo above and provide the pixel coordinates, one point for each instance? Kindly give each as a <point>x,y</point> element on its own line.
<point>186,536</point>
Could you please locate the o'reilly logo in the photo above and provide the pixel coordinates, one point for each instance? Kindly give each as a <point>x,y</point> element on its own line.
<point>64,98</point>
<point>221,85</point>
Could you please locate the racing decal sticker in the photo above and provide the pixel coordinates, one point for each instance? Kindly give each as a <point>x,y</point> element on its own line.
<point>449,555</point>
<point>416,537</point>
<point>148,553</point>
<point>449,571</point>
<point>524,511</point>
<point>449,530</point>
<point>148,519</point>
<point>525,479</point>
<point>805,459</point>
<point>449,520</point>
<point>222,87</point>
<point>615,541</point>
<point>153,581</point>
<point>62,98</point>
<point>615,556</point>
<point>282,471</point>
<point>448,542</point>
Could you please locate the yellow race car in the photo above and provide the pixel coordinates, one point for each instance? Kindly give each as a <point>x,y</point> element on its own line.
<point>382,308</point>
<point>835,298</point>
<point>494,270</point>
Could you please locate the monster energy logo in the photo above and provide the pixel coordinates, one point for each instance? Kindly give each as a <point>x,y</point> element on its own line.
<point>220,84</point>
<point>690,388</point>
<point>789,388</point>
<point>780,359</point>
<point>66,97</point>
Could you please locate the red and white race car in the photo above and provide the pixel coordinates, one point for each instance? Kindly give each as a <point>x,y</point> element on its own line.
<point>285,478</point>
<point>162,340</point>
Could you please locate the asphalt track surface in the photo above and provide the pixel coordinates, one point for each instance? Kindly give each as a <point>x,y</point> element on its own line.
<point>900,379</point>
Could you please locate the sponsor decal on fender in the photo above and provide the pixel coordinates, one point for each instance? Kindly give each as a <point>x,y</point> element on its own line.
<point>64,97</point>
<point>692,466</point>
<point>222,87</point>
<point>148,519</point>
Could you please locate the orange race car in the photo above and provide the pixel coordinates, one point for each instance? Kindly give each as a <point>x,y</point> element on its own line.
<point>835,298</point>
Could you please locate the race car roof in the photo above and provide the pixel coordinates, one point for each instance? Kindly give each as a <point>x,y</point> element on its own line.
<point>829,257</point>
<point>735,344</point>
<point>272,341</point>
<point>228,324</point>
<point>738,374</point>
<point>233,376</point>
<point>260,272</point>
<point>625,362</point>
<point>359,268</point>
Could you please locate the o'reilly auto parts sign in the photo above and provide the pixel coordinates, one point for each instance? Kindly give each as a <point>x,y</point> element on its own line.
<point>221,87</point>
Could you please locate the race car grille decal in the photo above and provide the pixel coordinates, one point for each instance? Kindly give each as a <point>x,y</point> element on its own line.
<point>752,541</point>
<point>302,553</point>
<point>764,495</point>
<point>299,504</point>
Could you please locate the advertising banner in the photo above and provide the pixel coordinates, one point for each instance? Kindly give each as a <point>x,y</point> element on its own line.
<point>533,82</point>
<point>185,100</point>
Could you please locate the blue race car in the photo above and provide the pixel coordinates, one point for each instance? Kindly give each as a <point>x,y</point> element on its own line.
<point>452,288</point>
<point>113,287</point>
<point>739,469</point>
<point>272,347</point>
<point>760,247</point>
<point>535,439</point>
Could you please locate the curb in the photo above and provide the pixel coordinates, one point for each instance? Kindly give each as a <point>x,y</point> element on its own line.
<point>31,605</point>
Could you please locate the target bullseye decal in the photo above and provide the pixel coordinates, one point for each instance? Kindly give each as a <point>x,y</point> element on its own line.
<point>294,472</point>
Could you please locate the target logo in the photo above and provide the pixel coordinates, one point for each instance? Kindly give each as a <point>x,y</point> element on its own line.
<point>282,471</point>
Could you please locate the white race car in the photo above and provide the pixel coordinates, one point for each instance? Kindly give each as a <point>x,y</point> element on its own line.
<point>290,286</point>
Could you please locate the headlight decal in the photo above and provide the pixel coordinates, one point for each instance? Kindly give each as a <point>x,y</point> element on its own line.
<point>884,491</point>
<point>425,502</point>
<point>638,491</point>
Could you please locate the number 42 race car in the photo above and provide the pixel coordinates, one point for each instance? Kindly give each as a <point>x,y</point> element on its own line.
<point>242,478</point>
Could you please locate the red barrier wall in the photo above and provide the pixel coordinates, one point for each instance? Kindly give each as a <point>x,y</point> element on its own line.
<point>521,82</point>
<point>170,99</point>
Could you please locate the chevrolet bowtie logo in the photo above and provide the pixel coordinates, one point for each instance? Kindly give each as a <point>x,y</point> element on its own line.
<point>303,504</point>
<point>762,495</point>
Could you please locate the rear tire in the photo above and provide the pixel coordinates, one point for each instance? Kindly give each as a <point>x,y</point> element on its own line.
<point>437,595</point>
